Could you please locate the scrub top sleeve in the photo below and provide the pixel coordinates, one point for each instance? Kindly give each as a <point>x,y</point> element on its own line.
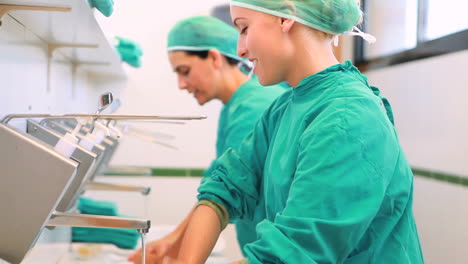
<point>210,169</point>
<point>236,176</point>
<point>334,196</point>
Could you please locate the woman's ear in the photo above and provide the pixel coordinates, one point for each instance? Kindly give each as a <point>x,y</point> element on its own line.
<point>216,57</point>
<point>286,24</point>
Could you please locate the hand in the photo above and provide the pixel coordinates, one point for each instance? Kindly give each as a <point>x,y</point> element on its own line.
<point>156,251</point>
<point>169,260</point>
<point>151,258</point>
<point>106,7</point>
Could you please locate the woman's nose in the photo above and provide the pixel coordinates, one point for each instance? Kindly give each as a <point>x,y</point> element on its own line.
<point>241,49</point>
<point>182,84</point>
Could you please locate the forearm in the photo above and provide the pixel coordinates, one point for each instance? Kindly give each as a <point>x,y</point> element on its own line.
<point>200,236</point>
<point>181,227</point>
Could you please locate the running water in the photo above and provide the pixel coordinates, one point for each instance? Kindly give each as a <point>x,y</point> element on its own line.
<point>143,248</point>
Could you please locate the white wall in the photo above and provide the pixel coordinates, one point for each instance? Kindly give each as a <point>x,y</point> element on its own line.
<point>428,98</point>
<point>429,102</point>
<point>152,89</point>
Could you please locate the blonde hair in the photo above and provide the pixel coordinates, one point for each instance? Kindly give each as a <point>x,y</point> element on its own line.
<point>361,18</point>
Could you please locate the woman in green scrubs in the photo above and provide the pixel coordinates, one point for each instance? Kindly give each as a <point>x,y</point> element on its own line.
<point>323,168</point>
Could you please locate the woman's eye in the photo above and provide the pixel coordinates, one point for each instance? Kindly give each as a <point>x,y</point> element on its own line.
<point>185,73</point>
<point>243,30</point>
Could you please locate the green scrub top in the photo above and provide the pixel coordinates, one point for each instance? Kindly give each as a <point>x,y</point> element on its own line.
<point>324,175</point>
<point>237,119</point>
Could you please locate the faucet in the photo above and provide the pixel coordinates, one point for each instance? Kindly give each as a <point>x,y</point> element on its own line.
<point>85,220</point>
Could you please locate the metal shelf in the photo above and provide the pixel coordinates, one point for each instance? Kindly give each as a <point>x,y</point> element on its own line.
<point>76,34</point>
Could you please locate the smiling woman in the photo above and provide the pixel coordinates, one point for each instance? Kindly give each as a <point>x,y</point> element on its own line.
<point>322,175</point>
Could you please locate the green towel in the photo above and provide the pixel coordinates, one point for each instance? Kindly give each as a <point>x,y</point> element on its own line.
<point>106,7</point>
<point>130,57</point>
<point>129,51</point>
<point>129,45</point>
<point>122,238</point>
<point>90,206</point>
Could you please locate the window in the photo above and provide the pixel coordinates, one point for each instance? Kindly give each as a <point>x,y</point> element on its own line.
<point>445,17</point>
<point>410,30</point>
<point>394,24</point>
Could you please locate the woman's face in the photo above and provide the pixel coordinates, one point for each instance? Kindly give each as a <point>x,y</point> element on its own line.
<point>263,42</point>
<point>194,74</point>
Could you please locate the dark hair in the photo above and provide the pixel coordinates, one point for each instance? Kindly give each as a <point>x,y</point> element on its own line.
<point>204,54</point>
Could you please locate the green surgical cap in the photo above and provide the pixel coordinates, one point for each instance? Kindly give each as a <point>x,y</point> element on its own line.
<point>330,16</point>
<point>203,33</point>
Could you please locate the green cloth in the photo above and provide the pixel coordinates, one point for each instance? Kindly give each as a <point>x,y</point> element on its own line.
<point>237,119</point>
<point>331,16</point>
<point>90,206</point>
<point>245,107</point>
<point>106,7</point>
<point>129,51</point>
<point>202,33</point>
<point>123,238</point>
<point>325,168</point>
